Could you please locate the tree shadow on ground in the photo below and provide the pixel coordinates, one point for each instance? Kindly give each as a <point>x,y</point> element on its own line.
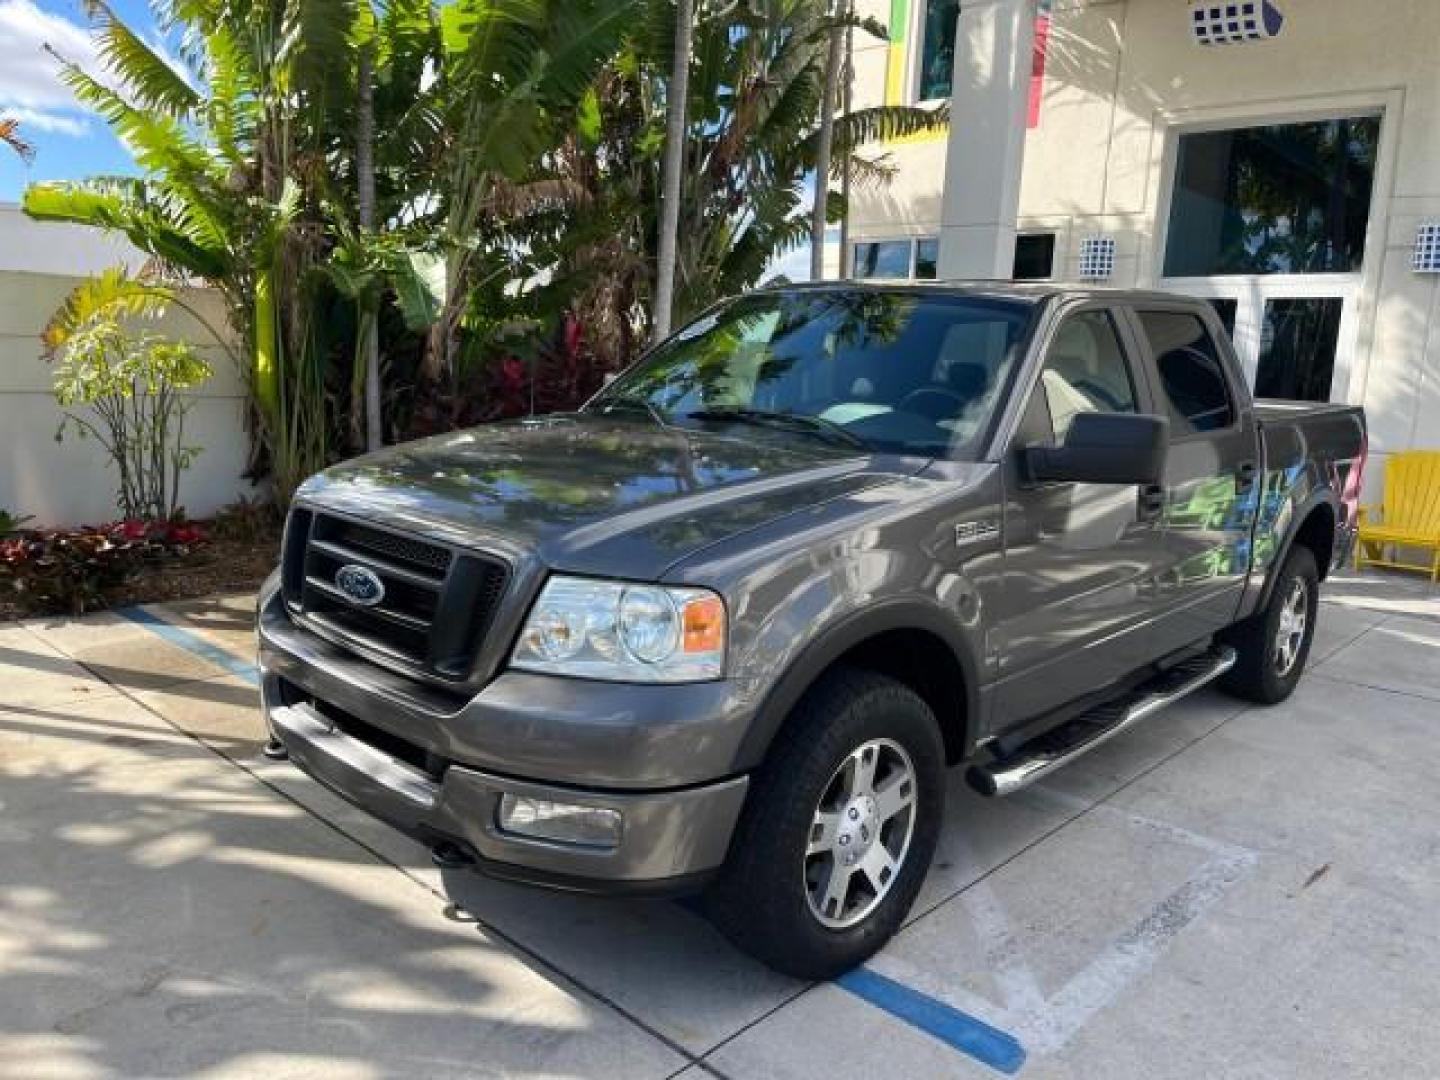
<point>161,914</point>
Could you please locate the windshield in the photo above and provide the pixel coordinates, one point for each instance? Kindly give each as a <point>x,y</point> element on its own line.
<point>891,371</point>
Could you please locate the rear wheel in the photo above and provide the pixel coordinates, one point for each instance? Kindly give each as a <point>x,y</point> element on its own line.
<point>838,831</point>
<point>1274,644</point>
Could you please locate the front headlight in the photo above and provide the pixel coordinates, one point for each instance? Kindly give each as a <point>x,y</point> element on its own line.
<point>623,633</point>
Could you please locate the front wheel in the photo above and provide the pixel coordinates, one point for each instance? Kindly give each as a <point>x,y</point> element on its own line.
<point>838,831</point>
<point>1274,644</point>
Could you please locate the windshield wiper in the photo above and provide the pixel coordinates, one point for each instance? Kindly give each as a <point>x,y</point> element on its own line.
<point>787,421</point>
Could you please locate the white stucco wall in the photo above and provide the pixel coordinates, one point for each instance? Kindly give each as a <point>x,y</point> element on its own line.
<point>70,483</point>
<point>1123,77</point>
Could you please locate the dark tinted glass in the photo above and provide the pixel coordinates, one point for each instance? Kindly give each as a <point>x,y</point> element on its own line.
<point>901,371</point>
<point>1297,348</point>
<point>927,258</point>
<point>1227,309</point>
<point>1034,256</point>
<point>1191,375</point>
<point>1290,199</point>
<point>937,58</point>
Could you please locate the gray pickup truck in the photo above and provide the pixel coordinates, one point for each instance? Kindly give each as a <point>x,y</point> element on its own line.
<point>725,627</point>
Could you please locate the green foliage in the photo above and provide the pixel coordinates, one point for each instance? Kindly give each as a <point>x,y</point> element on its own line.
<point>12,523</point>
<point>124,391</point>
<point>113,296</point>
<point>515,169</point>
<point>756,85</point>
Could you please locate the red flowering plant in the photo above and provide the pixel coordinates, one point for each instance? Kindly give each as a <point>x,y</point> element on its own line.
<point>69,571</point>
<point>158,538</point>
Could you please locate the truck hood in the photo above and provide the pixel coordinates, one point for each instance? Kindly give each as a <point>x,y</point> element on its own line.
<point>595,495</point>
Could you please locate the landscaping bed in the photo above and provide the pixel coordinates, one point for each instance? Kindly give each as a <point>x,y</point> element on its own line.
<point>73,571</point>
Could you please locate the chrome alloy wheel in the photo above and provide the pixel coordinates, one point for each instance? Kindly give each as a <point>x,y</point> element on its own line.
<point>860,833</point>
<point>1290,634</point>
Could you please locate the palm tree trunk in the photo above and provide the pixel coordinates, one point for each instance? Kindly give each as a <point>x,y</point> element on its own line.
<point>674,157</point>
<point>822,152</point>
<point>368,328</point>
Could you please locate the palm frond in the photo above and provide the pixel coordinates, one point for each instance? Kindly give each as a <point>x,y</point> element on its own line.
<point>159,142</point>
<point>885,122</point>
<point>231,108</point>
<point>405,28</point>
<point>866,172</point>
<point>11,137</point>
<point>127,205</point>
<point>581,37</point>
<point>318,46</point>
<point>113,294</point>
<point>149,78</point>
<point>517,200</point>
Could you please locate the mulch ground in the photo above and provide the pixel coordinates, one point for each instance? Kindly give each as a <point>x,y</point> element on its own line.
<point>222,565</point>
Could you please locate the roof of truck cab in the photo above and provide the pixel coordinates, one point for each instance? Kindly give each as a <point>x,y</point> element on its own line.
<point>1030,292</point>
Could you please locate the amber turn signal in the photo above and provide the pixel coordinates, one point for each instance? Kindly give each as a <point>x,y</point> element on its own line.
<point>703,621</point>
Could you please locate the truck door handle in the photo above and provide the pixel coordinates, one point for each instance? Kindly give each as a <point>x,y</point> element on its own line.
<point>1152,502</point>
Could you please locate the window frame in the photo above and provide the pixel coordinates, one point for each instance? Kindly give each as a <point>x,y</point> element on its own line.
<point>1054,238</point>
<point>1386,105</point>
<point>1122,321</point>
<point>913,242</point>
<point>1170,178</point>
<point>1362,291</point>
<point>1224,351</point>
<point>915,55</point>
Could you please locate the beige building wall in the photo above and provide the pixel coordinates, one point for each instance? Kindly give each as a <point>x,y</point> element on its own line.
<point>1124,78</point>
<point>908,204</point>
<point>70,483</point>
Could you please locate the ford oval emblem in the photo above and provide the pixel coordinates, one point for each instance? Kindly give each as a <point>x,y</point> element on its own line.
<point>360,585</point>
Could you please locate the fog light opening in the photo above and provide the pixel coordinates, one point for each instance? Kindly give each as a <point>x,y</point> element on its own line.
<point>562,823</point>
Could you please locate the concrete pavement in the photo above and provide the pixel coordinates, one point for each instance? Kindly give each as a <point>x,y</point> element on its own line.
<point>1224,892</point>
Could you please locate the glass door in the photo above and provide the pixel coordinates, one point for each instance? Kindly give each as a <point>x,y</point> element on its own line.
<point>1299,350</point>
<point>1294,336</point>
<point>1270,224</point>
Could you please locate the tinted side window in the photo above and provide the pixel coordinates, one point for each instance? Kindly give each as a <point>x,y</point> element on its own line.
<point>1085,371</point>
<point>1192,379</point>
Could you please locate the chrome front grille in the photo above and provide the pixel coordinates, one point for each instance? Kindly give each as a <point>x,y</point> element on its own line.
<point>438,601</point>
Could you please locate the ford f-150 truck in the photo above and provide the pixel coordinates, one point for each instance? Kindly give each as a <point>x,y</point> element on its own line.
<point>724,627</point>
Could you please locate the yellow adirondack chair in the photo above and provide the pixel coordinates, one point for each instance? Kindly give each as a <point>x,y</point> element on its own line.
<point>1409,517</point>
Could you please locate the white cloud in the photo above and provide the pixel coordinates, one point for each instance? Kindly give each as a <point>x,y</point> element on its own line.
<point>30,86</point>
<point>38,120</point>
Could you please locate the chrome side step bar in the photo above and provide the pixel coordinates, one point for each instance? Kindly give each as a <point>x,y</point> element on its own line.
<point>1063,744</point>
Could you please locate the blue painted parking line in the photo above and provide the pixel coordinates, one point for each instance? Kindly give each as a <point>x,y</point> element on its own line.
<point>964,1032</point>
<point>991,1046</point>
<point>194,643</point>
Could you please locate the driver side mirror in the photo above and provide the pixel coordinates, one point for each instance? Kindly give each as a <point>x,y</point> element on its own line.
<point>1104,448</point>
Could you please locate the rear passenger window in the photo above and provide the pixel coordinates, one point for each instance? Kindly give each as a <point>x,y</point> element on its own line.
<point>1192,379</point>
<point>1085,371</point>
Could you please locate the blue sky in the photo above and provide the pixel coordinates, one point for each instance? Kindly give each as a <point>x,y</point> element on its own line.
<point>69,141</point>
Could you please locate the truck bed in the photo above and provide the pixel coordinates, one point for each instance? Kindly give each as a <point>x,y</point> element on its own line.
<point>1275,410</point>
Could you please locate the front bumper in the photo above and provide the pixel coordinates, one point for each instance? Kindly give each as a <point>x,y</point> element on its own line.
<point>671,840</point>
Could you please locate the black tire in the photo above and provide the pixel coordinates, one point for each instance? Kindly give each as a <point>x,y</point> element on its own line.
<point>762,900</point>
<point>1259,674</point>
